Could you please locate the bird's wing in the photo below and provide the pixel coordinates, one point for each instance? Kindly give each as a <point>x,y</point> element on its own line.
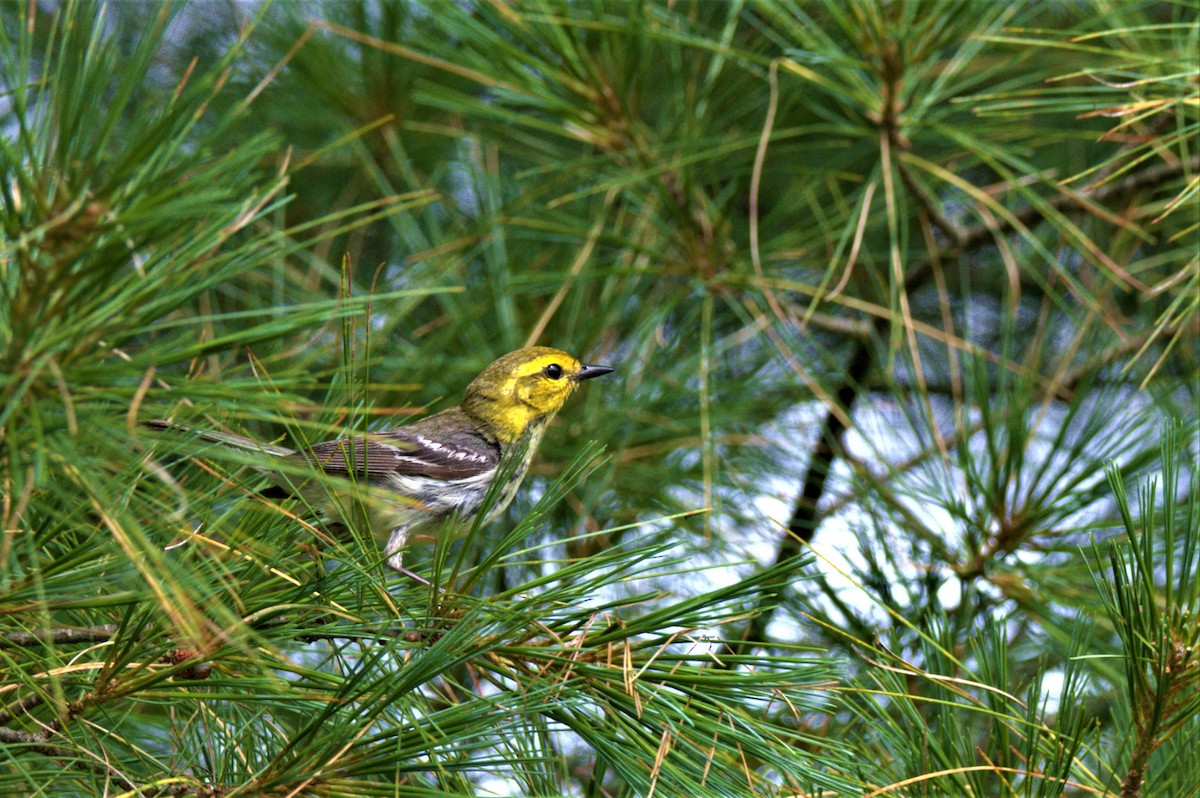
<point>405,451</point>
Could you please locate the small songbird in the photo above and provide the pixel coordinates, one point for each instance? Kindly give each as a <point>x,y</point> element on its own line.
<point>421,474</point>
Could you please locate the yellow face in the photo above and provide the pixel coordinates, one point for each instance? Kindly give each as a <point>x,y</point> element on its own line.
<point>526,386</point>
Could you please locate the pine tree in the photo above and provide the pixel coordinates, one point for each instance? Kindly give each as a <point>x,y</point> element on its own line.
<point>893,493</point>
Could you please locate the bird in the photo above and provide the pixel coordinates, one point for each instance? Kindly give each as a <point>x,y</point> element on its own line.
<point>418,475</point>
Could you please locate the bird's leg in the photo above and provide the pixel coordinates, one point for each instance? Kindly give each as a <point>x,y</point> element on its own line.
<point>395,556</point>
<point>420,580</point>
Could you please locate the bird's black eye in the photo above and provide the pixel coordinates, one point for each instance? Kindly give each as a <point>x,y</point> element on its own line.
<point>553,371</point>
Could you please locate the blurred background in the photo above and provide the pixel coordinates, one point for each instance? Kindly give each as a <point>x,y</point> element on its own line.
<point>902,298</point>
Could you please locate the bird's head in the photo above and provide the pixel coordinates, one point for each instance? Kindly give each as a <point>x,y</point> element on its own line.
<point>524,387</point>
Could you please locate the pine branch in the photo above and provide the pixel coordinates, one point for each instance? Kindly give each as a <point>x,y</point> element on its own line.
<point>975,238</point>
<point>40,742</point>
<point>805,518</point>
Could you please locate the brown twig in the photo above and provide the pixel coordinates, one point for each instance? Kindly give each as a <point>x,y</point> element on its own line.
<point>67,635</point>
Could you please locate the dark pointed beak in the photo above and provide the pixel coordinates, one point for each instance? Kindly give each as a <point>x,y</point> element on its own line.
<point>587,372</point>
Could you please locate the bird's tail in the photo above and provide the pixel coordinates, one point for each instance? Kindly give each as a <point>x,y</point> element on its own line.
<point>225,438</point>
